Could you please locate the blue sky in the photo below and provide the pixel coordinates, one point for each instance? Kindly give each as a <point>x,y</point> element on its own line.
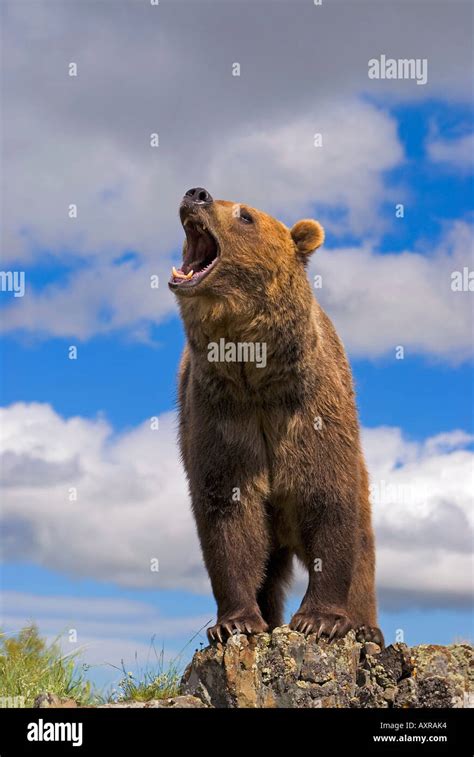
<point>386,283</point>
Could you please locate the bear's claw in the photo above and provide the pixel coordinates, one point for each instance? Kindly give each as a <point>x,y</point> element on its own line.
<point>332,625</point>
<point>247,623</point>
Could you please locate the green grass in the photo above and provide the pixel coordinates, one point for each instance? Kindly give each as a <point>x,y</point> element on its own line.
<point>149,682</point>
<point>30,666</point>
<point>158,681</point>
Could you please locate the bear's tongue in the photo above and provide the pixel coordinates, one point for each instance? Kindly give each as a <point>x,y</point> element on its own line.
<point>201,251</point>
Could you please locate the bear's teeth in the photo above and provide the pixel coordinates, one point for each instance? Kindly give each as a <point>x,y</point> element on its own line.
<point>181,275</point>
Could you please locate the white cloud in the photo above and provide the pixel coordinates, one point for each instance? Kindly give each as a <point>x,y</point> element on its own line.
<point>142,69</point>
<point>131,500</point>
<point>458,152</point>
<point>133,506</point>
<point>289,176</point>
<point>278,170</point>
<point>422,500</point>
<point>85,140</point>
<point>378,302</point>
<point>274,166</point>
<point>98,300</point>
<point>107,631</point>
<point>94,617</point>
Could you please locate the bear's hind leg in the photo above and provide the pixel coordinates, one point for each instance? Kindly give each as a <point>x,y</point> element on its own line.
<point>370,633</point>
<point>271,596</point>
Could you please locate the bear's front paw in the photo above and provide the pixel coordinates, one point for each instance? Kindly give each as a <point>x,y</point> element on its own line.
<point>334,625</point>
<point>240,621</point>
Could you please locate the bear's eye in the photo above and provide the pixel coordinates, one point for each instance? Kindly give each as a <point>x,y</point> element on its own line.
<point>245,216</point>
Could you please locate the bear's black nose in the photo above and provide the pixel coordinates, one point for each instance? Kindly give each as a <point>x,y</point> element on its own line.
<point>198,195</point>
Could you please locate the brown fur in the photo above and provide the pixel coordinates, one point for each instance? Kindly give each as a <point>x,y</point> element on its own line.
<point>303,491</point>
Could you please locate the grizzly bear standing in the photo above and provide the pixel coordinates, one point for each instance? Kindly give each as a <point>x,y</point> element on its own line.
<point>269,431</point>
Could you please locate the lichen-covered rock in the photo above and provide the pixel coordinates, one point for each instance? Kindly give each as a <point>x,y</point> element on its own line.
<point>379,676</point>
<point>186,702</point>
<point>281,669</point>
<point>50,700</point>
<point>47,699</point>
<point>444,675</point>
<point>287,669</point>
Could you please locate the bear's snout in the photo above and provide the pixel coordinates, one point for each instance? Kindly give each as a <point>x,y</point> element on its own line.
<point>197,196</point>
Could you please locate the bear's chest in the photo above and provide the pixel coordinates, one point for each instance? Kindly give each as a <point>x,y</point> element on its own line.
<point>290,441</point>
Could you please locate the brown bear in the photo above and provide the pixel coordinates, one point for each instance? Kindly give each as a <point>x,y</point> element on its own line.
<point>270,446</point>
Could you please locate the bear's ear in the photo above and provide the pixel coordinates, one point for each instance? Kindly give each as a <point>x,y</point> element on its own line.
<point>307,235</point>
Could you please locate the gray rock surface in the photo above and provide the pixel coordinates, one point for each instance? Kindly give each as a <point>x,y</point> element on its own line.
<point>47,700</point>
<point>185,701</point>
<point>287,669</point>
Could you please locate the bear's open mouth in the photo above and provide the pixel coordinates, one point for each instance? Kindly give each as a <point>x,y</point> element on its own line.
<point>201,254</point>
